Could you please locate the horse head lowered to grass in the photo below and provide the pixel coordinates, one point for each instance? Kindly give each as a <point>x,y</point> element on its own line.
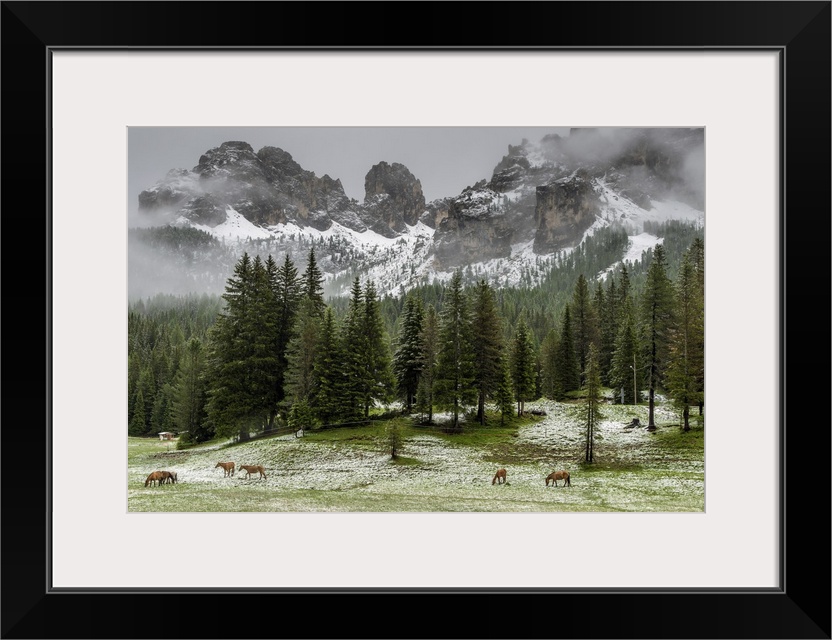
<point>255,468</point>
<point>559,475</point>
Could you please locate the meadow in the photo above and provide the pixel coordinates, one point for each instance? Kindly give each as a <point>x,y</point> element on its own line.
<point>351,469</point>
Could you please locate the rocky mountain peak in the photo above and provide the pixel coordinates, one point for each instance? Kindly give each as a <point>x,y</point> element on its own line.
<point>393,197</point>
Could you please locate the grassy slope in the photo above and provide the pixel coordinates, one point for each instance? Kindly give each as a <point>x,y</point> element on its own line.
<point>349,470</point>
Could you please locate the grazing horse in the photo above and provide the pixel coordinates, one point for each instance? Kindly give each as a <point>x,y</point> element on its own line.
<point>170,477</point>
<point>499,477</point>
<point>154,478</point>
<point>228,467</point>
<point>256,468</point>
<point>559,475</point>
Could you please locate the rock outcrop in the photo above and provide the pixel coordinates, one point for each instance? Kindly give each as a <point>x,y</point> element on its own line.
<point>393,198</point>
<point>565,209</point>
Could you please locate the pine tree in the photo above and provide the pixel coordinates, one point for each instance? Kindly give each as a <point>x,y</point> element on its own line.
<point>313,284</point>
<point>584,323</point>
<point>378,373</point>
<point>407,361</point>
<point>354,347</point>
<point>237,401</point>
<point>455,367</point>
<point>592,387</point>
<point>522,366</point>
<point>328,398</point>
<point>143,405</point>
<point>429,351</point>
<point>657,321</point>
<point>568,372</point>
<point>607,303</point>
<point>626,364</point>
<point>300,380</point>
<point>504,394</point>
<point>697,257</point>
<point>286,287</point>
<point>686,360</point>
<point>488,346</point>
<point>162,418</point>
<point>138,423</point>
<point>189,395</point>
<point>548,365</point>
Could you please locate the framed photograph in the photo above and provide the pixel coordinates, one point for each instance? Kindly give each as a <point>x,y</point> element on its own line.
<point>84,81</point>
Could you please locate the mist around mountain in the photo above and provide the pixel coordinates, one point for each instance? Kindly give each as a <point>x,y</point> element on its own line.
<point>542,201</point>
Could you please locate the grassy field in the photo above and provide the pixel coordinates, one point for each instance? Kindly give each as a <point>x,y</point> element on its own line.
<point>351,470</point>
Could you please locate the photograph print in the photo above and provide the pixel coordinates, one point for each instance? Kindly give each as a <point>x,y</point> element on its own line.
<point>416,319</point>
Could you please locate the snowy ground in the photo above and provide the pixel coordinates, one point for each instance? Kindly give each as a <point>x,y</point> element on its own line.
<point>634,472</point>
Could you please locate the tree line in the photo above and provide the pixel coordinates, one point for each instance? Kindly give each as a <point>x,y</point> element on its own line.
<point>276,353</point>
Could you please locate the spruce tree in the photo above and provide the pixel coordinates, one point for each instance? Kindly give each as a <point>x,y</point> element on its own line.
<point>286,287</point>
<point>300,380</point>
<point>626,362</point>
<point>548,365</point>
<point>592,387</point>
<point>313,284</point>
<point>568,374</point>
<point>407,361</point>
<point>189,395</point>
<point>378,373</point>
<point>488,346</point>
<point>354,348</point>
<point>697,257</point>
<point>236,399</point>
<point>429,352</point>
<point>606,303</point>
<point>328,398</point>
<point>523,363</point>
<point>584,323</point>
<point>455,367</point>
<point>686,360</point>
<point>657,322</point>
<point>138,423</point>
<point>504,393</point>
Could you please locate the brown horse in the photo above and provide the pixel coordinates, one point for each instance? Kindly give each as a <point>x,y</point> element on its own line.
<point>559,475</point>
<point>499,477</point>
<point>154,478</point>
<point>228,467</point>
<point>256,468</point>
<point>168,477</point>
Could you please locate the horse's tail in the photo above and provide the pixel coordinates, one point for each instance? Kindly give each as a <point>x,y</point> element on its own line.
<point>568,481</point>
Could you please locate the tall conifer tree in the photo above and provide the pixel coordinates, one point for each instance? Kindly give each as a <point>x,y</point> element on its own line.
<point>657,322</point>
<point>455,367</point>
<point>429,352</point>
<point>686,360</point>
<point>407,361</point>
<point>313,284</point>
<point>189,395</point>
<point>592,386</point>
<point>584,322</point>
<point>488,346</point>
<point>523,365</point>
<point>567,368</point>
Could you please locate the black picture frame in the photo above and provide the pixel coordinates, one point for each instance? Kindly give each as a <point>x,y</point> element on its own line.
<point>800,608</point>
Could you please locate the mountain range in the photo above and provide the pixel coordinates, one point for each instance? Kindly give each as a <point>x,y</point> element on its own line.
<point>540,201</point>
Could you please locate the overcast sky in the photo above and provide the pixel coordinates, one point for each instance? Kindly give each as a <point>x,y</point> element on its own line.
<point>444,159</point>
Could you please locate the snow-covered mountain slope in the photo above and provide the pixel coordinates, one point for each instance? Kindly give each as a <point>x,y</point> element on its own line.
<point>541,202</point>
